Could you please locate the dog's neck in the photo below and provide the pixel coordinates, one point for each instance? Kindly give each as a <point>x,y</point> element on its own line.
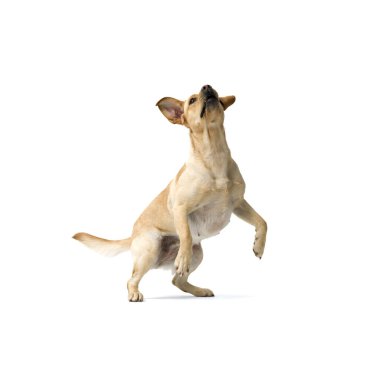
<point>209,149</point>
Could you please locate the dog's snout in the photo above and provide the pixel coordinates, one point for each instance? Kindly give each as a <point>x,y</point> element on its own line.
<point>208,92</point>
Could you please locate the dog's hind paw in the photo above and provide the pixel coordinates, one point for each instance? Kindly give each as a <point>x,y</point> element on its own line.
<point>203,292</point>
<point>135,297</point>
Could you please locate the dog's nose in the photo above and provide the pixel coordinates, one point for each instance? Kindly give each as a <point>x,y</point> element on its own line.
<point>208,92</point>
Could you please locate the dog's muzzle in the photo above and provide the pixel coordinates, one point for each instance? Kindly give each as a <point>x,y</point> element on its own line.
<point>209,96</point>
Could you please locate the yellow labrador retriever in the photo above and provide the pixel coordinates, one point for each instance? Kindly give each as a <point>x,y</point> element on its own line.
<point>196,204</point>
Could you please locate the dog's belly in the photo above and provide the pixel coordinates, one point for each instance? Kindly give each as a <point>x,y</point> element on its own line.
<point>208,221</point>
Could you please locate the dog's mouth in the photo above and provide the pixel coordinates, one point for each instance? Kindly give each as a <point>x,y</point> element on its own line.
<point>209,100</point>
<point>209,97</point>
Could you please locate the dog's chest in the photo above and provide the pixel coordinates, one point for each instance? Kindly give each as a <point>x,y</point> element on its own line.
<point>210,219</point>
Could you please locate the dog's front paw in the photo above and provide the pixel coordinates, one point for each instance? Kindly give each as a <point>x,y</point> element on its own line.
<point>258,247</point>
<point>182,264</point>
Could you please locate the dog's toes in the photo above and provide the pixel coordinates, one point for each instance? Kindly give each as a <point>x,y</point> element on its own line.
<point>258,252</point>
<point>182,272</point>
<point>201,292</point>
<point>258,255</point>
<point>258,248</point>
<point>182,265</point>
<point>135,297</point>
<point>207,293</point>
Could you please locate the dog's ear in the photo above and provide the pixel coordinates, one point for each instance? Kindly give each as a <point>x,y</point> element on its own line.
<point>227,101</point>
<point>172,109</point>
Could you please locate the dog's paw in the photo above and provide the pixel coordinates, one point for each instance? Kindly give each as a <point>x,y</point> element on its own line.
<point>203,292</point>
<point>182,264</point>
<point>258,247</point>
<point>135,297</point>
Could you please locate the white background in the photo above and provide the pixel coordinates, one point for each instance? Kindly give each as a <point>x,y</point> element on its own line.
<point>83,148</point>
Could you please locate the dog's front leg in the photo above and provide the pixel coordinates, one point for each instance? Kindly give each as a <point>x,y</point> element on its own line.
<point>183,259</point>
<point>248,214</point>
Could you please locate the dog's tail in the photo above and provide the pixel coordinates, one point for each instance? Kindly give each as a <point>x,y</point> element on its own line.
<point>105,247</point>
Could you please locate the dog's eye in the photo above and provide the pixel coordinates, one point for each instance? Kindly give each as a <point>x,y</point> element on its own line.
<point>192,100</point>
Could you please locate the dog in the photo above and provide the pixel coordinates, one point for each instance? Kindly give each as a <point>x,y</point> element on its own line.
<point>195,205</point>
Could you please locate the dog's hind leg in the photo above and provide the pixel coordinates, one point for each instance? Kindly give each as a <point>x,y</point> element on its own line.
<point>181,281</point>
<point>145,249</point>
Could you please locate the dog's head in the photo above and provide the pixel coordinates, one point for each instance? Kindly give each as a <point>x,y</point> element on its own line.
<point>199,110</point>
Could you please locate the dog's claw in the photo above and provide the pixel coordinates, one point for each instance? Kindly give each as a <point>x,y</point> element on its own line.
<point>257,253</point>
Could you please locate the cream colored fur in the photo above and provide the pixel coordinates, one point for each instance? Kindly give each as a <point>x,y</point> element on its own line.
<point>103,246</point>
<point>197,203</point>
